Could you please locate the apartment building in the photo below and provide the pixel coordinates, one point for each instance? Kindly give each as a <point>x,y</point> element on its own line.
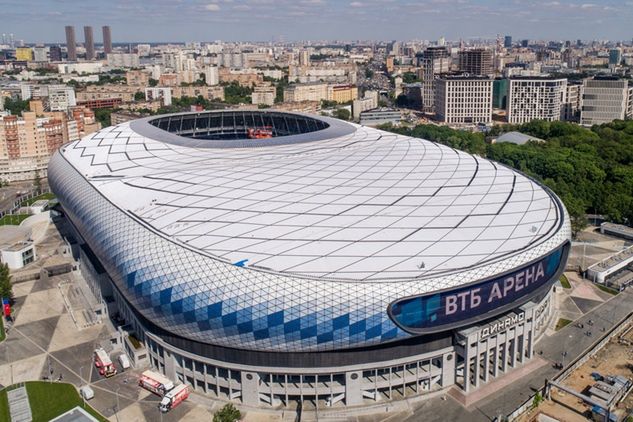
<point>342,93</point>
<point>531,98</point>
<point>463,99</point>
<point>605,99</point>
<point>573,102</point>
<point>137,78</point>
<point>123,60</point>
<point>264,95</point>
<point>163,94</point>
<point>306,92</point>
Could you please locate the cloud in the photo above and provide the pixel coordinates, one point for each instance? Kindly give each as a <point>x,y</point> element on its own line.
<point>356,4</point>
<point>212,7</point>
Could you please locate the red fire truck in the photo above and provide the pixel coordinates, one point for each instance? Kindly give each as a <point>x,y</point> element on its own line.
<point>173,398</point>
<point>156,383</point>
<point>104,364</point>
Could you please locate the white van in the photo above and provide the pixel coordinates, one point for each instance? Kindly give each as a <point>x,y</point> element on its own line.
<point>86,392</point>
<point>124,361</point>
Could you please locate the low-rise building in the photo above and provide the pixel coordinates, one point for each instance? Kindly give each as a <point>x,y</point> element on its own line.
<point>380,116</point>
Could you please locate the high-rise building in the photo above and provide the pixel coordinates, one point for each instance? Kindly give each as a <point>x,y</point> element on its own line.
<point>55,53</point>
<point>304,58</point>
<point>507,41</point>
<point>476,62</point>
<point>525,43</point>
<point>434,61</point>
<point>615,56</point>
<point>71,46</point>
<point>531,98</point>
<point>605,99</point>
<point>107,39</point>
<point>89,43</point>
<point>463,99</point>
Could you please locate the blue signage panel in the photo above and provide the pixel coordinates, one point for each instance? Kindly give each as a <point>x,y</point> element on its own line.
<point>451,308</point>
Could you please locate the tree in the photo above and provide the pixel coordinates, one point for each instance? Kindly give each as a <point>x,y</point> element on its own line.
<point>16,107</point>
<point>6,289</point>
<point>139,96</point>
<point>227,414</point>
<point>342,113</point>
<point>153,82</point>
<point>37,181</point>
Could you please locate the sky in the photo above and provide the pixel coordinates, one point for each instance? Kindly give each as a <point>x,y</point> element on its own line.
<point>293,20</point>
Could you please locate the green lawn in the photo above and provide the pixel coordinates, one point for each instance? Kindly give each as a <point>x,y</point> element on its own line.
<point>606,289</point>
<point>13,219</point>
<point>48,400</point>
<point>562,323</point>
<point>565,282</point>
<point>48,195</point>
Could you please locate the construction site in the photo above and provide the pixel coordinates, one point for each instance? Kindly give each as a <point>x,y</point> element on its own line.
<point>597,386</point>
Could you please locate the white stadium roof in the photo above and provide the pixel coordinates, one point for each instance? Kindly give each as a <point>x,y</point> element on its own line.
<point>364,206</point>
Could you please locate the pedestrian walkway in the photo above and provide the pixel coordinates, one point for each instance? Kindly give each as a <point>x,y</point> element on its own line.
<point>19,406</point>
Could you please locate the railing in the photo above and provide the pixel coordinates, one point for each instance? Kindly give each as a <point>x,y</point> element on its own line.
<point>17,204</point>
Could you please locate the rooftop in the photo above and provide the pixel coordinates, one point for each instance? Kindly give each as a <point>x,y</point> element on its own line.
<point>363,205</point>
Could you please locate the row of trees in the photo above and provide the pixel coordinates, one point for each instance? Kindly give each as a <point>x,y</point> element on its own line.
<point>591,170</point>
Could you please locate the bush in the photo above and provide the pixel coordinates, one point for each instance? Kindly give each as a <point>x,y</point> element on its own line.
<point>227,414</point>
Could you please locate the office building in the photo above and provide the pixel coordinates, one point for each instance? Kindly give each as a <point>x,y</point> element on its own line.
<point>615,56</point>
<point>500,93</point>
<point>507,41</point>
<point>380,116</point>
<point>434,61</point>
<point>288,270</point>
<point>89,43</point>
<point>463,99</point>
<point>55,53</point>
<point>531,98</point>
<point>477,61</point>
<point>71,44</point>
<point>24,54</point>
<point>605,99</point>
<point>40,54</point>
<point>107,40</point>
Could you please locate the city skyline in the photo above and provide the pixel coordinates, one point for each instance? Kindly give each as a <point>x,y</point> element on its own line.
<point>232,20</point>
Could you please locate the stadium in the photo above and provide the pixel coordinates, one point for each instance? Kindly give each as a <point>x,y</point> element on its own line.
<point>276,259</point>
